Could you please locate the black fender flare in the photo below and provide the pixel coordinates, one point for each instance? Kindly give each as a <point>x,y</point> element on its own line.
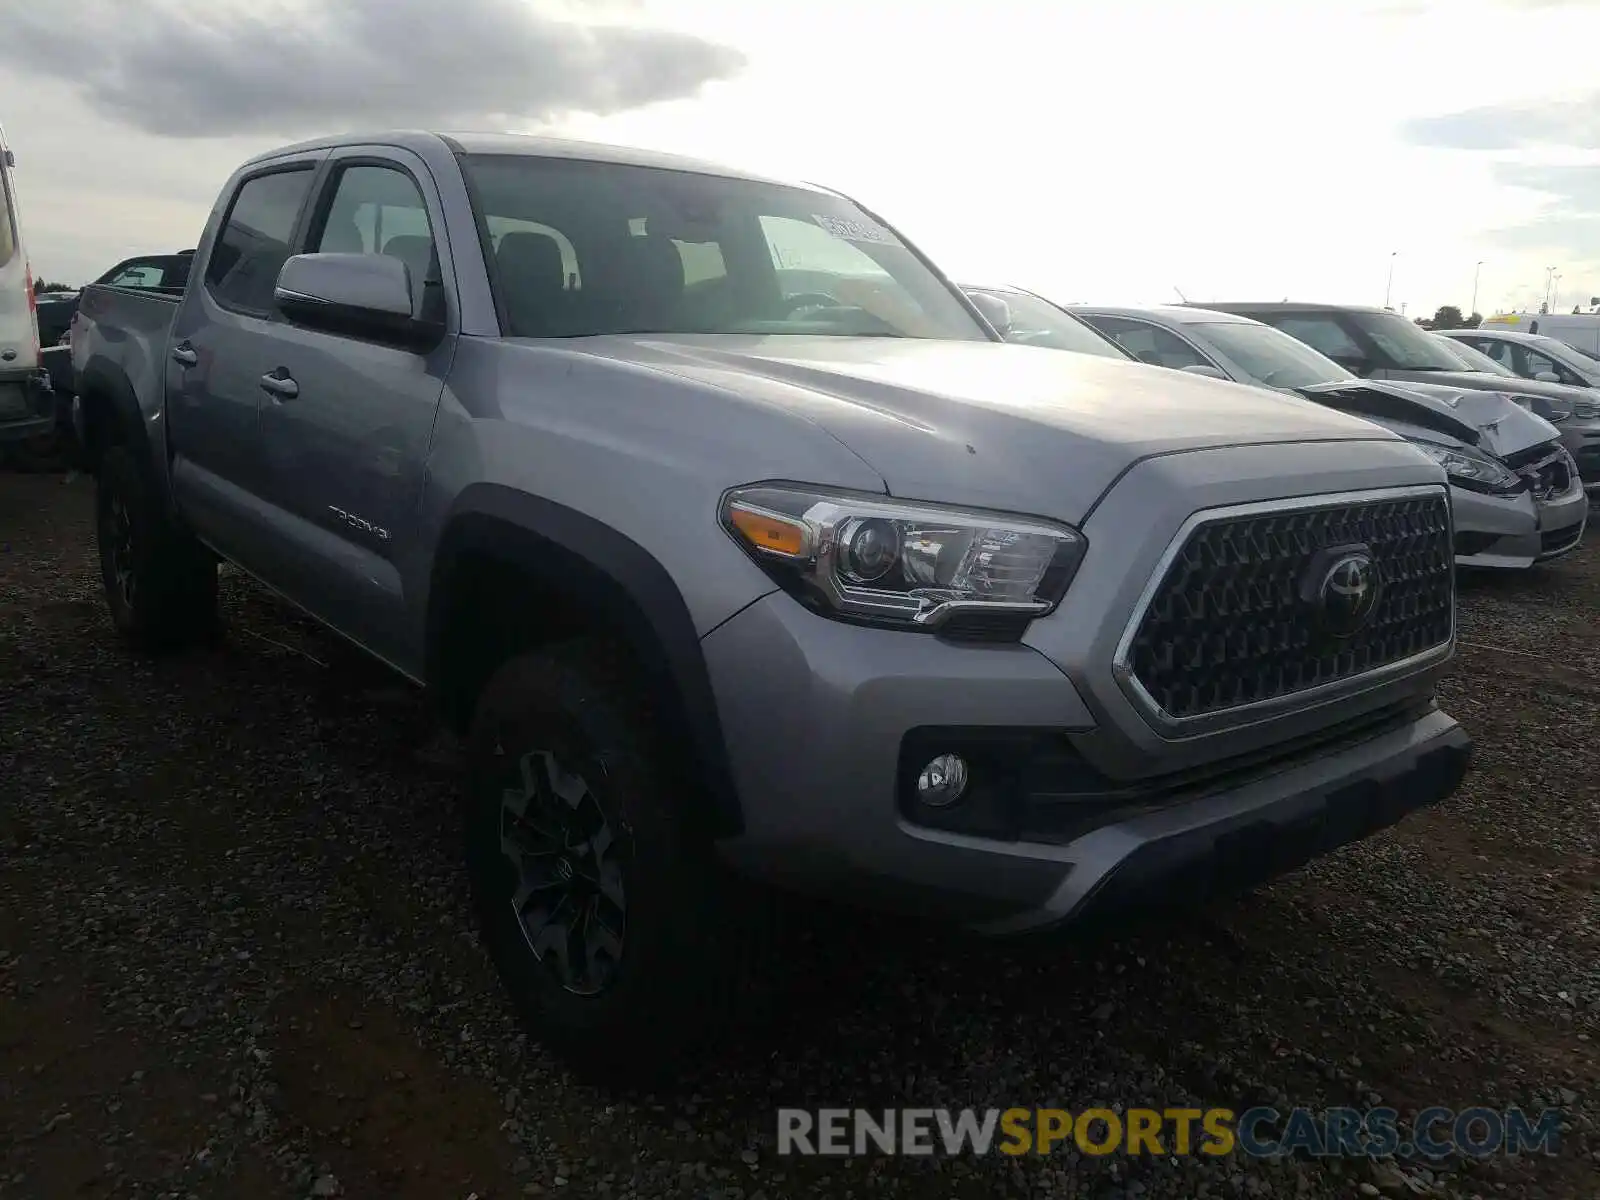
<point>608,574</point>
<point>101,382</point>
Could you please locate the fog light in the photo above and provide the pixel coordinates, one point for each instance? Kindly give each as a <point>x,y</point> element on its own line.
<point>942,781</point>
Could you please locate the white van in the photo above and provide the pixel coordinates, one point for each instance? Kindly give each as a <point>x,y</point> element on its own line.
<point>1581,331</point>
<point>26,405</point>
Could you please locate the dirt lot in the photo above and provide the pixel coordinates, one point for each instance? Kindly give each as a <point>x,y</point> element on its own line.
<point>236,958</point>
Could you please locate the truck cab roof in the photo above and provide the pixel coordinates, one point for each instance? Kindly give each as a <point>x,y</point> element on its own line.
<point>524,145</point>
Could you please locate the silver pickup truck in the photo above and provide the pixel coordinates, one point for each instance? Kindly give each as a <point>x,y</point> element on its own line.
<point>740,548</point>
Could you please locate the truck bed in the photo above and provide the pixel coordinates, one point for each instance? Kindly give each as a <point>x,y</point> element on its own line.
<point>125,333</point>
<point>141,317</point>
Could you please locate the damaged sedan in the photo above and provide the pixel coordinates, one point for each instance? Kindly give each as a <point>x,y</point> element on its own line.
<point>1515,491</point>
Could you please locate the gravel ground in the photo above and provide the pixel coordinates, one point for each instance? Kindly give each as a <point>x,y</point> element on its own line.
<point>236,957</point>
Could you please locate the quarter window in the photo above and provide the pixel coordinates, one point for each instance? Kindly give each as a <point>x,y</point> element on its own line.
<point>254,242</point>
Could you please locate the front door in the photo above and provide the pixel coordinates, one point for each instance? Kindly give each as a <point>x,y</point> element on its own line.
<point>346,422</point>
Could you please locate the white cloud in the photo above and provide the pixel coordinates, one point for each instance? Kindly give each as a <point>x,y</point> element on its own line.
<point>1240,149</point>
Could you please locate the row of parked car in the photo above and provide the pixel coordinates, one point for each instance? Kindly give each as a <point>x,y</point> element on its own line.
<point>1512,417</point>
<point>1481,402</point>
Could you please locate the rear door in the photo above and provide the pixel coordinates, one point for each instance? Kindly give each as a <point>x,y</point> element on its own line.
<point>221,345</point>
<point>344,435</point>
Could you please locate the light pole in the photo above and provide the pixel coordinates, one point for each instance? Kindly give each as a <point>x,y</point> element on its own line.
<point>1388,288</point>
<point>1549,274</point>
<point>1555,290</point>
<point>1475,272</point>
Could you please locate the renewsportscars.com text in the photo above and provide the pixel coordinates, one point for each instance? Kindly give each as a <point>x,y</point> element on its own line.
<point>1257,1132</point>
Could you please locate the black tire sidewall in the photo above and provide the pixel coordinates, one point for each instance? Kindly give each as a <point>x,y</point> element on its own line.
<point>119,480</point>
<point>175,578</point>
<point>562,704</point>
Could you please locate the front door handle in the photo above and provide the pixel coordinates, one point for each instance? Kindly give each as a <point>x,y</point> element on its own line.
<point>183,354</point>
<point>281,386</point>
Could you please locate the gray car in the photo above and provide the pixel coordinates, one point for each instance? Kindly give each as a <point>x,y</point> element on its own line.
<point>1375,343</point>
<point>1514,489</point>
<point>1533,356</point>
<point>741,550</point>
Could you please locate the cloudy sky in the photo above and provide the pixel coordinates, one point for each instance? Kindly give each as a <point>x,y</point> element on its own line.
<point>1093,150</point>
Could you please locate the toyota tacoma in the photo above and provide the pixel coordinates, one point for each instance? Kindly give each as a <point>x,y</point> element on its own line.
<point>741,548</point>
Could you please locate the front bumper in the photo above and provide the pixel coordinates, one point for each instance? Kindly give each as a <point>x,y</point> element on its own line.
<point>1582,440</point>
<point>825,733</point>
<point>1515,532</point>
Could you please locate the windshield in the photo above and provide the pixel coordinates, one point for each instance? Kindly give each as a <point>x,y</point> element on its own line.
<point>1569,356</point>
<point>157,271</point>
<point>1406,344</point>
<point>583,248</point>
<point>1583,359</point>
<point>1474,359</point>
<point>1036,322</point>
<point>1271,356</point>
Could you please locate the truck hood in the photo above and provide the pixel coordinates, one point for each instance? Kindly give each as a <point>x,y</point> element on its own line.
<point>986,423</point>
<point>1491,421</point>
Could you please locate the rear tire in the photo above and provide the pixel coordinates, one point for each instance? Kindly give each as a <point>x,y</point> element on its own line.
<point>620,960</point>
<point>160,583</point>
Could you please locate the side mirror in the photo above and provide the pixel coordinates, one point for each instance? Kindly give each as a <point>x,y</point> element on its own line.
<point>1207,370</point>
<point>1548,377</point>
<point>995,311</point>
<point>364,295</point>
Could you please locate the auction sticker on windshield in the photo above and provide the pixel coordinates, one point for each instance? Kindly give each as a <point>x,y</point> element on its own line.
<point>856,231</point>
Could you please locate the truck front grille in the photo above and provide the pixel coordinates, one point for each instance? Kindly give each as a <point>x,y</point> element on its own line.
<point>1233,620</point>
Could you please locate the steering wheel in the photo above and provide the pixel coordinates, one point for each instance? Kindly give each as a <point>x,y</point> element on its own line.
<point>808,300</point>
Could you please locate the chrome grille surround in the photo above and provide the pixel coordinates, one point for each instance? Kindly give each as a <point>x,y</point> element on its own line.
<point>1224,590</point>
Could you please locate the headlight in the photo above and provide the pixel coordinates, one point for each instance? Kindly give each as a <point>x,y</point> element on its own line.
<point>915,566</point>
<point>1471,469</point>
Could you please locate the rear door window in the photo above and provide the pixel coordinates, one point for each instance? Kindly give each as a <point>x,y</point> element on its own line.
<point>253,243</point>
<point>1151,344</point>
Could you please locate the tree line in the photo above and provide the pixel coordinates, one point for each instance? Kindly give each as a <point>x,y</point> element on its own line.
<point>1449,317</point>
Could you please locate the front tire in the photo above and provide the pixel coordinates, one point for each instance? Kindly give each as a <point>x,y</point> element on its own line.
<point>598,906</point>
<point>160,583</point>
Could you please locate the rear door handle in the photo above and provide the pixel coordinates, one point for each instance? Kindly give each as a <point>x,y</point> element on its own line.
<point>184,355</point>
<point>281,386</point>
